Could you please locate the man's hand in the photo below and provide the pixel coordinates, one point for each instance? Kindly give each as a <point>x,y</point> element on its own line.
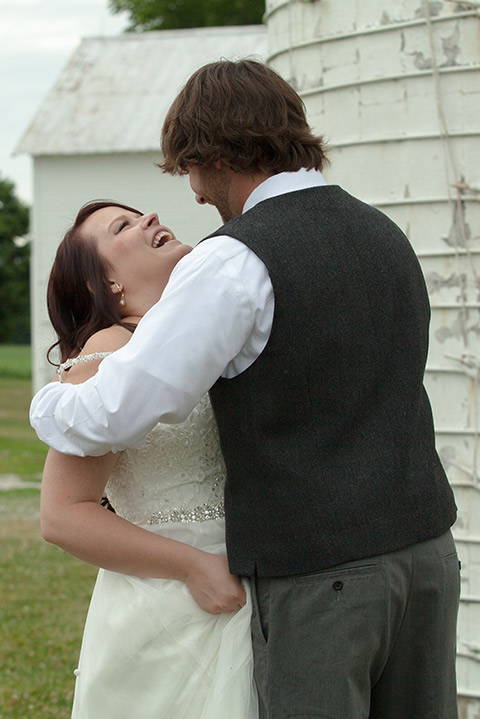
<point>213,587</point>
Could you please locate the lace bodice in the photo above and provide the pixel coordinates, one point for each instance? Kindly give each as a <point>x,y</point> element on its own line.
<point>177,475</point>
<point>179,469</point>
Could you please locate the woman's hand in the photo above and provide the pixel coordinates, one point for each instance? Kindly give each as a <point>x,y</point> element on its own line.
<point>212,586</point>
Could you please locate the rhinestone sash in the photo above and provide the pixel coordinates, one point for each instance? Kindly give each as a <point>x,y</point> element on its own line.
<point>202,513</point>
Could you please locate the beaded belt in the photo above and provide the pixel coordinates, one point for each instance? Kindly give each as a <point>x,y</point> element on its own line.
<point>202,513</point>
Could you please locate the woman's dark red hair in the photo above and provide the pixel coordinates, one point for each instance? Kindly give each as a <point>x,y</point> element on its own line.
<point>79,297</point>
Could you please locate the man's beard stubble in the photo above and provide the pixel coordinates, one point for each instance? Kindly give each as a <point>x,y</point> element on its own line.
<point>216,185</point>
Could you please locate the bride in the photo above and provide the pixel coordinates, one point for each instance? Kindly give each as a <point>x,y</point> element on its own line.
<point>168,628</point>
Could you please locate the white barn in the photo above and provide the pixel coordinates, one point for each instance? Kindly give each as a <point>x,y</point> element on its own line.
<point>97,135</point>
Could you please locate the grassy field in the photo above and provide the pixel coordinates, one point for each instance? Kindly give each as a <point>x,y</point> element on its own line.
<point>45,592</point>
<point>15,361</point>
<point>20,451</point>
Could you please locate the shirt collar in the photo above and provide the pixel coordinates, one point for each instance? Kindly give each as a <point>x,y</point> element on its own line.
<point>282,183</point>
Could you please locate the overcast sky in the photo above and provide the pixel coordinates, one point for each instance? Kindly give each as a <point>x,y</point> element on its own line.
<point>37,38</point>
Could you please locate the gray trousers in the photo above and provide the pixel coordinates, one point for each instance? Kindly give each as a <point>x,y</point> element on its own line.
<point>370,639</point>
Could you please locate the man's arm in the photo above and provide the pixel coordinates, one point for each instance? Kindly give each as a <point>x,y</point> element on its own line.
<point>215,300</point>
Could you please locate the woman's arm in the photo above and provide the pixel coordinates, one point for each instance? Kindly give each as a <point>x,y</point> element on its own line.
<point>72,517</point>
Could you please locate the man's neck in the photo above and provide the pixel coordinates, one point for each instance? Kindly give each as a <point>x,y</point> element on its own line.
<point>242,185</point>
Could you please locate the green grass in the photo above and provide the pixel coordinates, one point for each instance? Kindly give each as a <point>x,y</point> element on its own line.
<point>15,361</point>
<point>21,452</point>
<point>45,595</point>
<point>45,592</point>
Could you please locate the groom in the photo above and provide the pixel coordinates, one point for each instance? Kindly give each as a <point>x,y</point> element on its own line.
<point>306,316</point>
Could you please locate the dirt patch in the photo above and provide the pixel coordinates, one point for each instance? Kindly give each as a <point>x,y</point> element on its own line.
<point>13,481</point>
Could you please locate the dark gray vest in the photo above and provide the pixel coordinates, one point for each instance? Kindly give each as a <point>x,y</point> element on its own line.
<point>328,437</point>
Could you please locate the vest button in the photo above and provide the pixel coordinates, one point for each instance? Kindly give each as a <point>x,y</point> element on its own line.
<point>338,585</point>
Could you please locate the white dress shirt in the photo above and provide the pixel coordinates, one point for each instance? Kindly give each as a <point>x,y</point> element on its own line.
<point>214,319</point>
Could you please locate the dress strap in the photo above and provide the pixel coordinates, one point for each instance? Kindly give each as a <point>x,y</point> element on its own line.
<point>76,360</point>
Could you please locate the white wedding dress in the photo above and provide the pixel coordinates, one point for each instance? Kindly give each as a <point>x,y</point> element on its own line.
<point>148,650</point>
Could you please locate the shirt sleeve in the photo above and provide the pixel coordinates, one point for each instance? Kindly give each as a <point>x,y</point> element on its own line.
<point>214,318</point>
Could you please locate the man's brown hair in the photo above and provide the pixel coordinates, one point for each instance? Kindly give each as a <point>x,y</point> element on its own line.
<point>244,114</point>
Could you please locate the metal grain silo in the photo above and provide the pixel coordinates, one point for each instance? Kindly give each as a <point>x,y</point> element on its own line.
<point>395,87</point>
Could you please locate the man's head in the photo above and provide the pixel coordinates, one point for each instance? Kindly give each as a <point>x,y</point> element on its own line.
<point>244,115</point>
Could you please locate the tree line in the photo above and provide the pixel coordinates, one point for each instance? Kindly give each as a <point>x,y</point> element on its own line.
<point>147,15</point>
<point>14,267</point>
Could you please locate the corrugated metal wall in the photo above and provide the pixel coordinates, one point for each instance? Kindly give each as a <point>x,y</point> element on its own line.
<point>395,86</point>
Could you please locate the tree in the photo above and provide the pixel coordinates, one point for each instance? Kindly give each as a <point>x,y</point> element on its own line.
<point>14,267</point>
<point>147,15</point>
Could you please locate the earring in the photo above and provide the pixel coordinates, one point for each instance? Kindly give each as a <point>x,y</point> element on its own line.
<point>122,302</point>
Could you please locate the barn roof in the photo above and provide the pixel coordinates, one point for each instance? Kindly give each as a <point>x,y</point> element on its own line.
<point>114,92</point>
